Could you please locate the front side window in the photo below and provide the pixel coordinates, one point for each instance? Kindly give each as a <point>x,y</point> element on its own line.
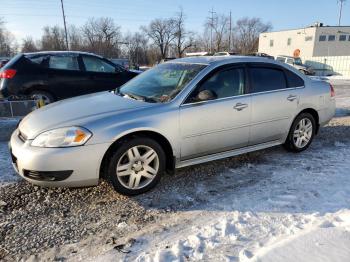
<point>331,38</point>
<point>266,79</point>
<point>63,62</point>
<point>225,83</point>
<point>322,38</point>
<point>161,83</point>
<point>95,64</point>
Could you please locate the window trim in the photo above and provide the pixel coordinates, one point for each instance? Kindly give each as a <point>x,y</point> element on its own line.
<point>328,39</point>
<point>345,38</point>
<point>325,38</point>
<point>270,66</point>
<point>210,74</point>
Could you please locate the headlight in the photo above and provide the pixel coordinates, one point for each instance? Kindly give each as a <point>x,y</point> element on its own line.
<point>63,137</point>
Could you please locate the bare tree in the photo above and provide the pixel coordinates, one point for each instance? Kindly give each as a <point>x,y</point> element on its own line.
<point>102,36</point>
<point>75,38</point>
<point>137,48</point>
<point>53,38</point>
<point>218,25</point>
<point>8,46</point>
<point>28,45</point>
<point>246,33</point>
<point>162,33</point>
<point>183,39</point>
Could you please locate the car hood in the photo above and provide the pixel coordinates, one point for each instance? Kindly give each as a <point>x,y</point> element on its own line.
<point>76,111</point>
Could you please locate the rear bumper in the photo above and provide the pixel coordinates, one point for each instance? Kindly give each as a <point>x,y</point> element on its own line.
<point>55,167</point>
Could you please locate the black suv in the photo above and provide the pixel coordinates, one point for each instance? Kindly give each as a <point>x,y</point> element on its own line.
<point>53,76</point>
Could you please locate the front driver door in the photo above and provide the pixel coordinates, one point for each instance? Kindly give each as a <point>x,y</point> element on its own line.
<point>217,125</point>
<point>103,74</point>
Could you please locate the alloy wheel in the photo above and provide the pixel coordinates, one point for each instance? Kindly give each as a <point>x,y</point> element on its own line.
<point>137,167</point>
<point>302,133</point>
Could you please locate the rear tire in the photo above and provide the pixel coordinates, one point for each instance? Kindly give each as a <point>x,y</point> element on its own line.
<point>136,166</point>
<point>301,133</point>
<point>42,95</point>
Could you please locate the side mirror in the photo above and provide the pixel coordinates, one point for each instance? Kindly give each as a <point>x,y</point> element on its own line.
<point>205,95</point>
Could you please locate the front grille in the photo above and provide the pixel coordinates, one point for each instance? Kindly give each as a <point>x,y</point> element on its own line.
<point>47,175</point>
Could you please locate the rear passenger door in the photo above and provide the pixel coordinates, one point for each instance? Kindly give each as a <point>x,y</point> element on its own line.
<point>64,76</point>
<point>275,97</point>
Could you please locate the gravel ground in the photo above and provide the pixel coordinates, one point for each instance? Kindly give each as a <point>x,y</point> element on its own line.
<point>36,220</point>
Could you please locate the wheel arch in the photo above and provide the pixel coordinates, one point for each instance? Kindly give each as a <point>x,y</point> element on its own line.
<point>38,87</point>
<point>159,138</point>
<point>312,112</point>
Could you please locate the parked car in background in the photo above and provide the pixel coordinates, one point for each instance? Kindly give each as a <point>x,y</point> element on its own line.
<point>3,61</point>
<point>52,76</point>
<point>180,113</point>
<point>122,62</point>
<point>261,55</point>
<point>297,63</point>
<point>221,54</point>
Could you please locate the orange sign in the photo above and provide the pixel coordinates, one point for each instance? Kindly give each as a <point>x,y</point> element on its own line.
<point>296,53</point>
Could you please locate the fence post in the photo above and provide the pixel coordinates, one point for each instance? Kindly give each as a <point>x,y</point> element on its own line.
<point>11,108</point>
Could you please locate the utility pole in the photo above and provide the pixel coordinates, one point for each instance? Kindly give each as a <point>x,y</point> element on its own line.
<point>211,28</point>
<point>340,10</point>
<point>65,26</point>
<point>230,32</point>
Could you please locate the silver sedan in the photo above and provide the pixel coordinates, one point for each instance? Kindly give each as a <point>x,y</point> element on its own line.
<point>180,113</point>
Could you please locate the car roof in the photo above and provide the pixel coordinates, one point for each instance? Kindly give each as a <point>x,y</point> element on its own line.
<point>60,52</point>
<point>211,60</point>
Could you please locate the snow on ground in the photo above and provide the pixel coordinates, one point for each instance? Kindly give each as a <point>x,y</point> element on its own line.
<point>7,174</point>
<point>294,199</point>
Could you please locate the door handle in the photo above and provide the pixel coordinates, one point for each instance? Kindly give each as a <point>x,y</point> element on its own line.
<point>291,97</point>
<point>240,106</point>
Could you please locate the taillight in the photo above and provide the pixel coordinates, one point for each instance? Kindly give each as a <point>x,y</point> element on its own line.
<point>332,91</point>
<point>8,73</point>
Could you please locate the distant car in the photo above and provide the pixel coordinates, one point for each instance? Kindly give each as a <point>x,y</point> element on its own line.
<point>297,63</point>
<point>261,55</point>
<point>52,76</point>
<point>3,62</point>
<point>122,62</point>
<point>221,54</point>
<point>180,113</point>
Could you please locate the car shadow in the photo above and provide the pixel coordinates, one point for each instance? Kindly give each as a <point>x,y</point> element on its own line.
<point>271,180</point>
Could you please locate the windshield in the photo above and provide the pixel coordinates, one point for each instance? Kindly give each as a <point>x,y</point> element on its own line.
<point>162,83</point>
<point>298,61</point>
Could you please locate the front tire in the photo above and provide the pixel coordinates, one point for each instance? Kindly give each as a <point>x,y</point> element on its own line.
<point>136,166</point>
<point>301,133</point>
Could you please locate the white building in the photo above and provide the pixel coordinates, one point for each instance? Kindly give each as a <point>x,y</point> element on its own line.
<point>313,41</point>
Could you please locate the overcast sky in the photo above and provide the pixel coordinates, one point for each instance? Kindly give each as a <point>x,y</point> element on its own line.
<point>27,17</point>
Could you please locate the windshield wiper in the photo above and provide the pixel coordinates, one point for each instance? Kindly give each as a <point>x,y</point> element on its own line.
<point>139,97</point>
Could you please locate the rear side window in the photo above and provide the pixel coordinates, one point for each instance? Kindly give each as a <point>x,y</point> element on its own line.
<point>64,62</point>
<point>38,59</point>
<point>293,79</point>
<point>266,79</point>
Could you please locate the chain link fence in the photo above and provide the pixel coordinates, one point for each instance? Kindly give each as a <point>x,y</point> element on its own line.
<point>329,65</point>
<point>16,108</point>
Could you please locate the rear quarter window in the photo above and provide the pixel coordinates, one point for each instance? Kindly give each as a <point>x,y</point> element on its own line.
<point>267,79</point>
<point>293,79</point>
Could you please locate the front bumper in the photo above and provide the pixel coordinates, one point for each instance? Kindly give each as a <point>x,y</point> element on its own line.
<point>83,161</point>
